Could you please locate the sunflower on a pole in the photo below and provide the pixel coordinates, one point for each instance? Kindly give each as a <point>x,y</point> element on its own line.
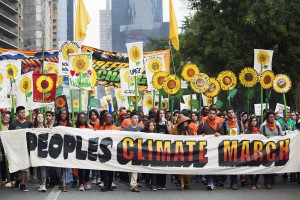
<point>282,84</point>
<point>228,81</point>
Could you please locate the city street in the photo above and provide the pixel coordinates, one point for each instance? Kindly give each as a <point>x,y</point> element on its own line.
<point>281,191</point>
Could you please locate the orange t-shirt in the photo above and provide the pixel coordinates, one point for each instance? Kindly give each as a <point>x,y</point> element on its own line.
<point>127,122</point>
<point>111,127</point>
<point>218,119</point>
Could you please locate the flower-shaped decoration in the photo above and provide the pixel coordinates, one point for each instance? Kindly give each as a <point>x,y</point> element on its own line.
<point>208,101</point>
<point>263,57</point>
<point>227,80</point>
<point>171,84</point>
<point>25,84</point>
<point>80,63</point>
<point>60,102</point>
<point>52,69</point>
<point>68,49</point>
<point>266,79</point>
<point>155,65</point>
<point>200,83</point>
<point>282,83</point>
<point>92,92</point>
<point>11,71</point>
<point>213,89</point>
<point>127,77</point>
<point>189,71</point>
<point>164,104</point>
<point>158,79</point>
<point>134,53</point>
<point>44,84</point>
<point>76,103</point>
<point>248,77</point>
<point>148,102</point>
<point>133,99</point>
<point>120,96</point>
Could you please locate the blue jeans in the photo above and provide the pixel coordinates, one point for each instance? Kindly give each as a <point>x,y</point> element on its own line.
<point>95,174</point>
<point>210,180</point>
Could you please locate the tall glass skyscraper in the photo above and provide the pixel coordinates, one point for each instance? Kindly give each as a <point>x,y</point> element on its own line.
<point>135,20</point>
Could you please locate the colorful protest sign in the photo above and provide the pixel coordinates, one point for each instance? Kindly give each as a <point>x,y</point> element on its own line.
<point>121,100</point>
<point>151,153</point>
<point>66,48</point>
<point>257,108</point>
<point>153,64</point>
<point>262,60</point>
<point>127,83</point>
<point>135,55</point>
<point>44,86</point>
<point>280,109</point>
<point>80,73</point>
<point>3,89</point>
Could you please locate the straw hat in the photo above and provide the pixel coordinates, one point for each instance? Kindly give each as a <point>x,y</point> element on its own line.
<point>182,118</point>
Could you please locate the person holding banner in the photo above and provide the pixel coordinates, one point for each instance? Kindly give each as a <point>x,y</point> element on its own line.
<point>134,127</point>
<point>20,123</point>
<point>62,120</point>
<point>270,129</point>
<point>107,176</point>
<point>232,127</point>
<point>39,123</point>
<point>83,174</point>
<point>211,126</point>
<point>49,119</point>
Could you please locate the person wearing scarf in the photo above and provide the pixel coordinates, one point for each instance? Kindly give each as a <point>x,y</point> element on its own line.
<point>210,126</point>
<point>232,127</point>
<point>270,129</point>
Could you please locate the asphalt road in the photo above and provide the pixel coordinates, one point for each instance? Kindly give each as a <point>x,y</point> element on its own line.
<point>281,191</point>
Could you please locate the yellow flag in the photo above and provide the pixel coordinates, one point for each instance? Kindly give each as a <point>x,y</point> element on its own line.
<point>82,21</point>
<point>173,35</point>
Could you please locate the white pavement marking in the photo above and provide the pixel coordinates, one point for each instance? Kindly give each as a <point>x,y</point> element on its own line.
<point>53,195</point>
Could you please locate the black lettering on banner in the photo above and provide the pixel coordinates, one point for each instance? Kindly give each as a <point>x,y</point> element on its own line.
<point>55,146</point>
<point>69,145</point>
<point>106,156</point>
<point>283,154</point>
<point>31,141</point>
<point>92,148</point>
<point>80,154</point>
<point>43,145</point>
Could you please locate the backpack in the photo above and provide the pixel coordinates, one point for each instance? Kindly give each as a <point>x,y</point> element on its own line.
<point>264,130</point>
<point>239,124</point>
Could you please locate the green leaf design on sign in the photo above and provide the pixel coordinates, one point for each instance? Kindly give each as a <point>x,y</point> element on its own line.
<point>59,91</point>
<point>219,103</point>
<point>163,93</point>
<point>28,94</point>
<point>47,95</point>
<point>94,102</point>
<point>137,63</point>
<point>179,94</point>
<point>195,103</point>
<point>265,66</point>
<point>232,93</point>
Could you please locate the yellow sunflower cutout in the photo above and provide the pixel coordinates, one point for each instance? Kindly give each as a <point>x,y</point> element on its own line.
<point>171,84</point>
<point>148,102</point>
<point>134,53</point>
<point>155,65</point>
<point>189,71</point>
<point>1,78</point>
<point>76,103</point>
<point>44,84</point>
<point>263,57</point>
<point>60,102</point>
<point>92,92</point>
<point>51,68</point>
<point>266,79</point>
<point>127,77</point>
<point>104,105</point>
<point>208,101</point>
<point>94,78</point>
<point>213,88</point>
<point>158,79</point>
<point>248,77</point>
<point>80,63</point>
<point>68,49</point>
<point>120,96</point>
<point>200,83</point>
<point>11,71</point>
<point>134,100</point>
<point>25,84</point>
<point>164,104</point>
<point>189,101</point>
<point>227,80</point>
<point>282,83</point>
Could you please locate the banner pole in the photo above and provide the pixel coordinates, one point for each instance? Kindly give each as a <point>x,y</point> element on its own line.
<point>159,101</point>
<point>153,103</point>
<point>136,92</point>
<point>172,103</point>
<point>80,100</point>
<point>261,104</point>
<point>200,105</point>
<point>72,107</point>
<point>191,98</point>
<point>248,103</point>
<point>229,102</point>
<point>88,104</point>
<point>284,101</point>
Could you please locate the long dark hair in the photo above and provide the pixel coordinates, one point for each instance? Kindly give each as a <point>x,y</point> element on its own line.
<point>157,116</point>
<point>93,111</point>
<point>7,113</point>
<point>35,123</point>
<point>181,130</point>
<point>147,125</point>
<point>77,121</point>
<point>58,118</point>
<point>250,129</point>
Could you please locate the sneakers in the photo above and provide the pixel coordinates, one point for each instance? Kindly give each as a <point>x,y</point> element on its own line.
<point>149,187</point>
<point>42,188</point>
<point>101,184</point>
<point>81,188</point>
<point>114,186</point>
<point>135,189</point>
<point>88,185</point>
<point>17,185</point>
<point>94,181</point>
<point>234,187</point>
<point>23,188</point>
<point>98,181</point>
<point>210,187</point>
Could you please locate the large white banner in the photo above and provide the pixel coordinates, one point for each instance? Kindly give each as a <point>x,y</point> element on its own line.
<point>151,153</point>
